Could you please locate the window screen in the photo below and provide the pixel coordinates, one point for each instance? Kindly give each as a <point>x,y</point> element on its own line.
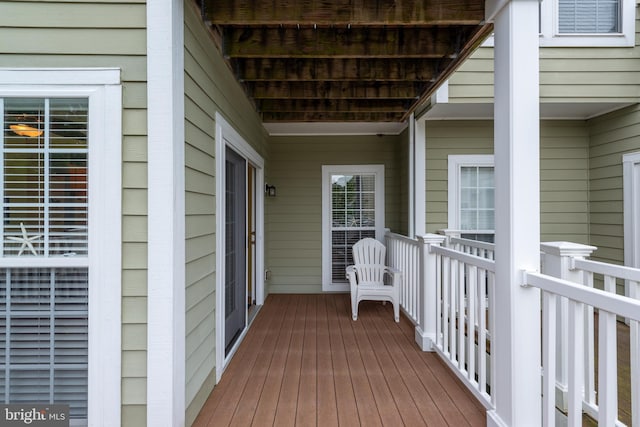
<point>44,310</point>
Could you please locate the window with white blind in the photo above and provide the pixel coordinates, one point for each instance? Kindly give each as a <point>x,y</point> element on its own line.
<point>587,23</point>
<point>353,208</point>
<point>60,259</point>
<point>589,16</point>
<point>44,338</point>
<point>471,196</point>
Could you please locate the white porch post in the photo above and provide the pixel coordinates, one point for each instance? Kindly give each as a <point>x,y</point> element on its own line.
<point>165,396</point>
<point>417,176</point>
<point>557,263</point>
<point>420,176</point>
<point>425,332</point>
<point>517,382</point>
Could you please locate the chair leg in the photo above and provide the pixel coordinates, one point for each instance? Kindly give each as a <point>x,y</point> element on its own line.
<point>396,311</point>
<point>354,306</point>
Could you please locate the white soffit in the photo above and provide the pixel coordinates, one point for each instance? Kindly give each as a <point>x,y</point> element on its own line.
<point>548,111</point>
<point>327,128</point>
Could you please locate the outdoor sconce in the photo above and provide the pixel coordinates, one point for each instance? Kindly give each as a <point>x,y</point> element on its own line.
<point>270,190</point>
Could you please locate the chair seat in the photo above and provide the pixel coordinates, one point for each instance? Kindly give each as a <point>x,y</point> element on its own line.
<point>367,277</point>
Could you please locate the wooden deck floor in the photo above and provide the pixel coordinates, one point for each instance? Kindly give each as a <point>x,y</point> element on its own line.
<point>304,362</point>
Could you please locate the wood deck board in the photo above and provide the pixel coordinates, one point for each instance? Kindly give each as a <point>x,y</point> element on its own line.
<point>305,362</point>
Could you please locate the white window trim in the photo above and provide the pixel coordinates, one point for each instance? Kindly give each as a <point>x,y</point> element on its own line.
<point>456,162</point>
<point>327,171</point>
<point>227,136</point>
<point>550,35</point>
<point>102,87</point>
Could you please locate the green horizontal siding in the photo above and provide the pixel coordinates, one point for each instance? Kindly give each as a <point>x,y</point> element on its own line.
<point>612,135</point>
<point>564,161</point>
<point>101,34</point>
<point>209,88</point>
<point>294,218</point>
<point>567,74</point>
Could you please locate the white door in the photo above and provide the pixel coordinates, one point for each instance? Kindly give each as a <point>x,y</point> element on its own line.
<point>352,209</point>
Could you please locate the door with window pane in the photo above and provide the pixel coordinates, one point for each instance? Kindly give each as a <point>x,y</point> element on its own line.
<point>353,208</point>
<point>235,281</point>
<point>44,265</point>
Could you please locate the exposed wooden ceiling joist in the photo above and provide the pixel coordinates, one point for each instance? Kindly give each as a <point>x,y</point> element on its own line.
<point>343,60</point>
<point>354,42</point>
<point>334,90</point>
<point>344,12</point>
<point>326,69</point>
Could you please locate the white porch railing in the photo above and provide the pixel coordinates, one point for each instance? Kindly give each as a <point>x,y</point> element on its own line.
<point>448,294</point>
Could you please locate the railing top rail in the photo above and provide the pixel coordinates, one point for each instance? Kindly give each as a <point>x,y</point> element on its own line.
<point>400,237</point>
<point>620,271</point>
<point>486,264</point>
<point>613,303</point>
<point>475,243</point>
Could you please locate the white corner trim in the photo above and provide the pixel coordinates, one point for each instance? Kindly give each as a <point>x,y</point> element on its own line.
<point>166,381</point>
<point>455,162</point>
<point>631,196</point>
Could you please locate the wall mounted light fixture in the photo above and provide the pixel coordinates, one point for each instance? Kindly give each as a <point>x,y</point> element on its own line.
<point>270,190</point>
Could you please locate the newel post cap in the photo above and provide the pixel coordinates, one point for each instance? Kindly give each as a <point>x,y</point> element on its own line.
<point>567,249</point>
<point>430,238</point>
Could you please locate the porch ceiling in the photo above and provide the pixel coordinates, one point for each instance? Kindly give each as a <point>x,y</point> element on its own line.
<point>343,61</point>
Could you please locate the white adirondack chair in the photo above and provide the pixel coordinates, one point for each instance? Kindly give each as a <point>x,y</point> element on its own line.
<point>367,277</point>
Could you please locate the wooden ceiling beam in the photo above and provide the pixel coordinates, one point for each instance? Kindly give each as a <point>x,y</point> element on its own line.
<point>290,42</point>
<point>334,105</point>
<point>334,90</point>
<point>330,117</point>
<point>326,69</point>
<point>340,12</point>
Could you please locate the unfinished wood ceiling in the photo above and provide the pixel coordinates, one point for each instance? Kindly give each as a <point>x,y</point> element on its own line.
<point>343,60</point>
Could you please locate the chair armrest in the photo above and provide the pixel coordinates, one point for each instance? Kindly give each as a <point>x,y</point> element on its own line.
<point>394,273</point>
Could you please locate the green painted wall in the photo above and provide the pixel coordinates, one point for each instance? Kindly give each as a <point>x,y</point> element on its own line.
<point>567,74</point>
<point>294,218</point>
<point>612,135</point>
<point>564,163</point>
<point>209,88</point>
<point>96,33</point>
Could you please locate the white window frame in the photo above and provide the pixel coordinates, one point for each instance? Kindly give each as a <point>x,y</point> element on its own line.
<point>550,29</point>
<point>327,172</point>
<point>455,163</point>
<point>101,86</point>
<point>550,35</point>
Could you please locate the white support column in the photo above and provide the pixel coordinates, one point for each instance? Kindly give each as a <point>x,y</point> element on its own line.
<point>165,395</point>
<point>557,263</point>
<point>420,177</point>
<point>411,220</point>
<point>516,341</point>
<point>425,332</point>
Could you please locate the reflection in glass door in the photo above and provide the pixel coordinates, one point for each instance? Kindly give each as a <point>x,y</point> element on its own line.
<point>235,283</point>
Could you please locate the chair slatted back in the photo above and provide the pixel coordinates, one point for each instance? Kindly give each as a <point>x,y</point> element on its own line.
<point>368,258</point>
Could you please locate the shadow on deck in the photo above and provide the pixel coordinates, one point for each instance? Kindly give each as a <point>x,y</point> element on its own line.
<point>305,362</point>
